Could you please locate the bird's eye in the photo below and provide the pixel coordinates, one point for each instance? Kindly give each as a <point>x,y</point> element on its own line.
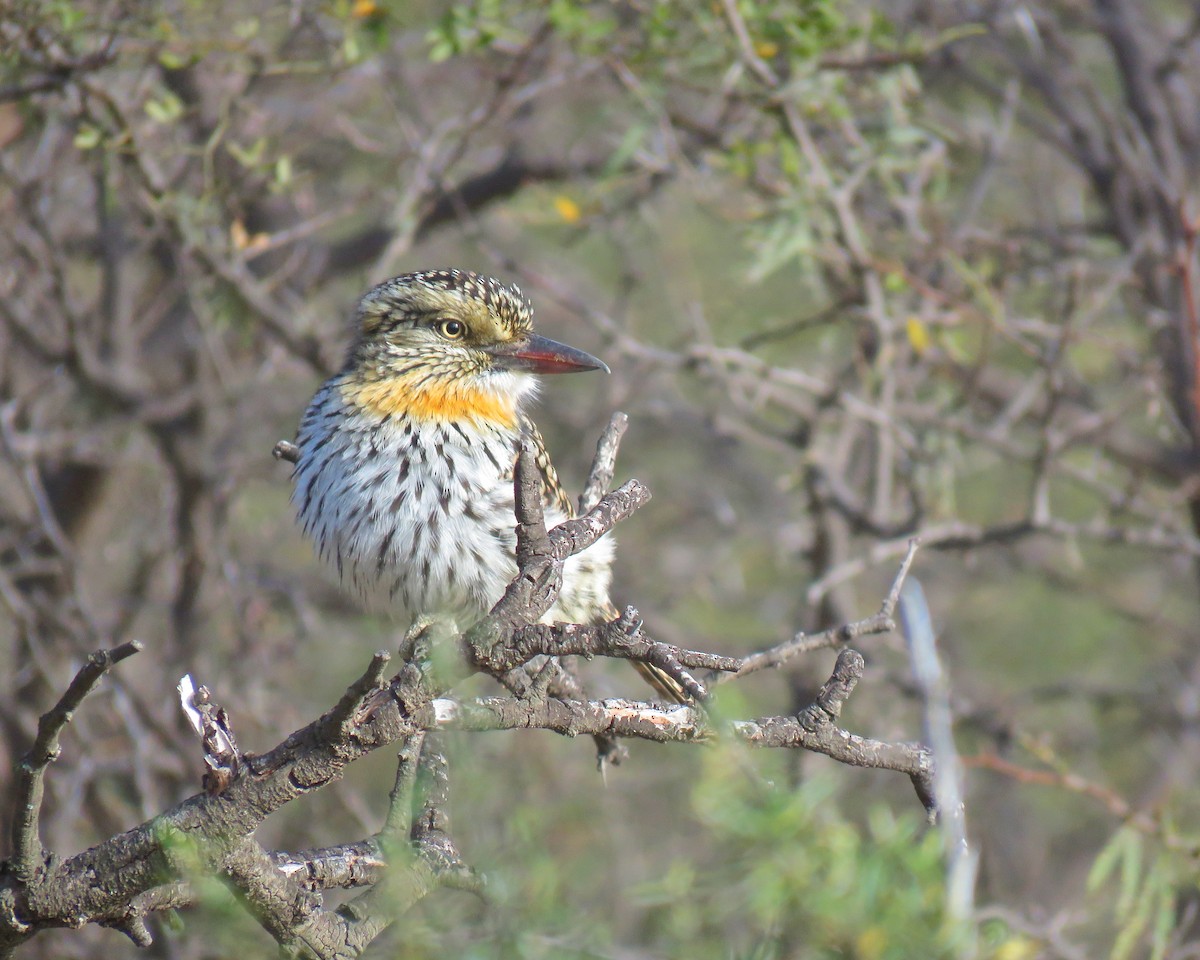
<point>452,329</point>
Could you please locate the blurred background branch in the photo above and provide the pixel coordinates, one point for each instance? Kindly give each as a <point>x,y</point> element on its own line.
<point>863,271</point>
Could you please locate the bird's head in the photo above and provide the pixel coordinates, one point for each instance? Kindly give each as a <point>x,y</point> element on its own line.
<point>451,344</point>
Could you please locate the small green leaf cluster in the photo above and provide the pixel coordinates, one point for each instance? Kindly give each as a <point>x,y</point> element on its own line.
<point>794,876</point>
<point>1145,880</point>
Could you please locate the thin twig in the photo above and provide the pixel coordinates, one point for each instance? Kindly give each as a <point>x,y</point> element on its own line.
<point>431,829</point>
<point>28,853</point>
<point>400,799</point>
<point>802,643</point>
<point>604,463</point>
<point>611,639</point>
<point>345,713</point>
<point>834,692</point>
<point>532,539</point>
<point>575,536</point>
<point>539,574</point>
<point>210,722</point>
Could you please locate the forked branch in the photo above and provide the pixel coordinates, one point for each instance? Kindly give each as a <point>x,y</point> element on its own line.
<point>147,868</point>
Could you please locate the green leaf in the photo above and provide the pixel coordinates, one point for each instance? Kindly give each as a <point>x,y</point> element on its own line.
<point>172,60</point>
<point>166,108</point>
<point>87,137</point>
<point>1136,923</point>
<point>1164,923</point>
<point>283,171</point>
<point>1131,874</point>
<point>248,157</point>
<point>246,29</point>
<point>1108,859</point>
<point>629,145</point>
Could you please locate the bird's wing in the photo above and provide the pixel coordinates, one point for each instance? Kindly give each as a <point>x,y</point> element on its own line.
<point>552,488</point>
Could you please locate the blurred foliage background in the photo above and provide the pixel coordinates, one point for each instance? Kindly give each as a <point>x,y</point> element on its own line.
<point>862,271</point>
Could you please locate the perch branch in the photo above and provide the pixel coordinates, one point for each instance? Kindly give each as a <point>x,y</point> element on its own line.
<point>143,869</point>
<point>359,695</point>
<point>539,558</point>
<point>813,729</point>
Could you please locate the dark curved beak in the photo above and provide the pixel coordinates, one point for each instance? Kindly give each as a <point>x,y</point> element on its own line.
<point>543,355</point>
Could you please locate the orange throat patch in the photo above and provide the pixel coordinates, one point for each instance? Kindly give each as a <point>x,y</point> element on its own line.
<point>437,402</point>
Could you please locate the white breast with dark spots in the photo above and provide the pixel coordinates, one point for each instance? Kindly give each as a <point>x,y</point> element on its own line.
<point>420,521</point>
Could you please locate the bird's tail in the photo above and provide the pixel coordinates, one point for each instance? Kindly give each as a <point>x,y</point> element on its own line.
<point>663,683</point>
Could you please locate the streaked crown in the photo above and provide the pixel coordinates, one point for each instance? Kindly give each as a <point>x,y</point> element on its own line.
<point>491,309</point>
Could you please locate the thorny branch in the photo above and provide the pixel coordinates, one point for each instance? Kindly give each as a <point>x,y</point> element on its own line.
<point>414,852</point>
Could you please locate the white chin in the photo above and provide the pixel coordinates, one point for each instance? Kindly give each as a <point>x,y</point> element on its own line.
<point>523,386</point>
